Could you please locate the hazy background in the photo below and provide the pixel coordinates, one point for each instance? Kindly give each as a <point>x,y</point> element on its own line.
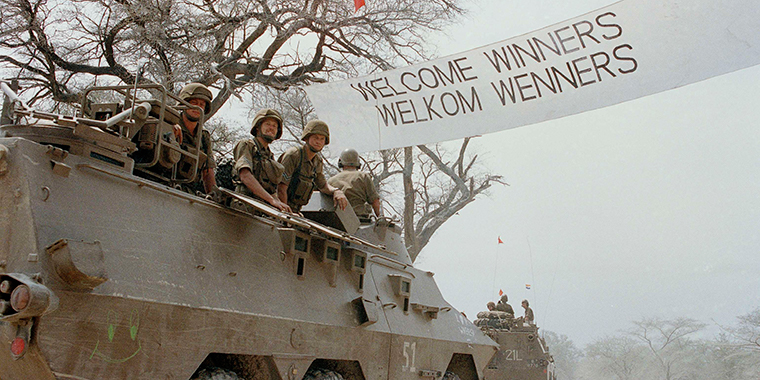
<point>647,208</point>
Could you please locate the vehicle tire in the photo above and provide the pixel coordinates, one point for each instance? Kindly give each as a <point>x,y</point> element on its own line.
<point>215,373</point>
<point>322,374</point>
<point>450,376</point>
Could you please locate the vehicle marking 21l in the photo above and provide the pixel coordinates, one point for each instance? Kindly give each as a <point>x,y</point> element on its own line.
<point>512,355</point>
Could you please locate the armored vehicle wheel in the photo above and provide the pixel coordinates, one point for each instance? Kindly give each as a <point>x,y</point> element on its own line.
<point>450,376</point>
<point>322,374</point>
<point>216,374</point>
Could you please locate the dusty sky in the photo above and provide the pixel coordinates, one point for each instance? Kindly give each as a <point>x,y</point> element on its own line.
<point>647,208</point>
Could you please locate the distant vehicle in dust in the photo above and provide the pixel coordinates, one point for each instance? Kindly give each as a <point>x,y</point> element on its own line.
<point>523,353</point>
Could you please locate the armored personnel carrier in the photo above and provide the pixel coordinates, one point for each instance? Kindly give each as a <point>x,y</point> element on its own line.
<point>522,355</point>
<point>109,271</point>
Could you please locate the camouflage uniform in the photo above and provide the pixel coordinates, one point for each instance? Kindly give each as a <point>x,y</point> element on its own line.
<point>188,140</point>
<point>250,154</point>
<point>504,306</point>
<point>359,189</point>
<point>310,176</point>
<point>205,157</point>
<point>529,315</point>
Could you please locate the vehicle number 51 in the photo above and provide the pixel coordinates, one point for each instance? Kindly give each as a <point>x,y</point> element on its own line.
<point>410,351</point>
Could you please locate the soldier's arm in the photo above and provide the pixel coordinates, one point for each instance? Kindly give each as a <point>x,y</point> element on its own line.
<point>209,180</point>
<point>207,174</point>
<point>328,189</point>
<point>322,184</point>
<point>372,195</point>
<point>250,181</point>
<point>178,133</point>
<point>282,192</point>
<point>338,197</point>
<point>287,160</point>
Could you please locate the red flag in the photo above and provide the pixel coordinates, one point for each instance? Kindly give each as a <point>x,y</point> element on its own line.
<point>500,242</point>
<point>500,293</point>
<point>358,4</point>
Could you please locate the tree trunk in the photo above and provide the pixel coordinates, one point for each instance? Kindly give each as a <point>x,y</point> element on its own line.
<point>410,235</point>
<point>6,116</point>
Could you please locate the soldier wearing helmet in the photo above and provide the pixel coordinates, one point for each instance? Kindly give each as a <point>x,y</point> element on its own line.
<point>303,169</point>
<point>357,185</point>
<point>504,306</point>
<point>529,318</point>
<point>256,173</point>
<point>186,133</point>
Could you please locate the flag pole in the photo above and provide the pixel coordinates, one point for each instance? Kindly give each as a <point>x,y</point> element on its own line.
<point>532,274</point>
<point>496,266</point>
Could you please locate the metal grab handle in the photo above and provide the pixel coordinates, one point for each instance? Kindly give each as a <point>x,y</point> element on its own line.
<point>12,94</point>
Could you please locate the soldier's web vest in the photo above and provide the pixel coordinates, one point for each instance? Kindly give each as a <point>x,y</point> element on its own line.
<point>265,169</point>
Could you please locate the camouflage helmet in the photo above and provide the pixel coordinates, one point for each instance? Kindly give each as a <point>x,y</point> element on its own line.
<point>504,298</point>
<point>197,91</point>
<point>490,305</point>
<point>316,127</point>
<point>349,157</point>
<point>263,114</point>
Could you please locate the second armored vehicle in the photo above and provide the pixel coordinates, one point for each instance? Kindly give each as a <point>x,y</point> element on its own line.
<point>523,353</point>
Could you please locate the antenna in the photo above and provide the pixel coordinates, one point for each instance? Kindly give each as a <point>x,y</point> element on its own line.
<point>140,71</point>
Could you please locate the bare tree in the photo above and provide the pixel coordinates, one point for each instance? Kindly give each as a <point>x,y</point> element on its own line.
<point>58,47</point>
<point>618,357</point>
<point>738,348</point>
<point>748,330</point>
<point>666,349</point>
<point>444,185</point>
<point>223,137</point>
<point>566,355</point>
<point>725,360</point>
<point>668,342</point>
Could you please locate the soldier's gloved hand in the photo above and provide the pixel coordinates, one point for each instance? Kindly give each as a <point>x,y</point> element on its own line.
<point>340,199</point>
<point>215,195</point>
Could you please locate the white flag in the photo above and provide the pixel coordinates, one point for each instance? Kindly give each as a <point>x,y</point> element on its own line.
<point>627,50</point>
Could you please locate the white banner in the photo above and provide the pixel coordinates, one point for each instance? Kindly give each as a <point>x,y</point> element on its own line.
<point>627,50</point>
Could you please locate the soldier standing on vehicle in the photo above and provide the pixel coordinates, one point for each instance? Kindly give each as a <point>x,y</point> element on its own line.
<point>504,306</point>
<point>303,169</point>
<point>255,171</point>
<point>186,133</point>
<point>357,185</point>
<point>528,312</point>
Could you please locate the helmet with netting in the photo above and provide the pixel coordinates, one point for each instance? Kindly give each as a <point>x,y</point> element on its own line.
<point>263,114</point>
<point>197,91</point>
<point>316,127</point>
